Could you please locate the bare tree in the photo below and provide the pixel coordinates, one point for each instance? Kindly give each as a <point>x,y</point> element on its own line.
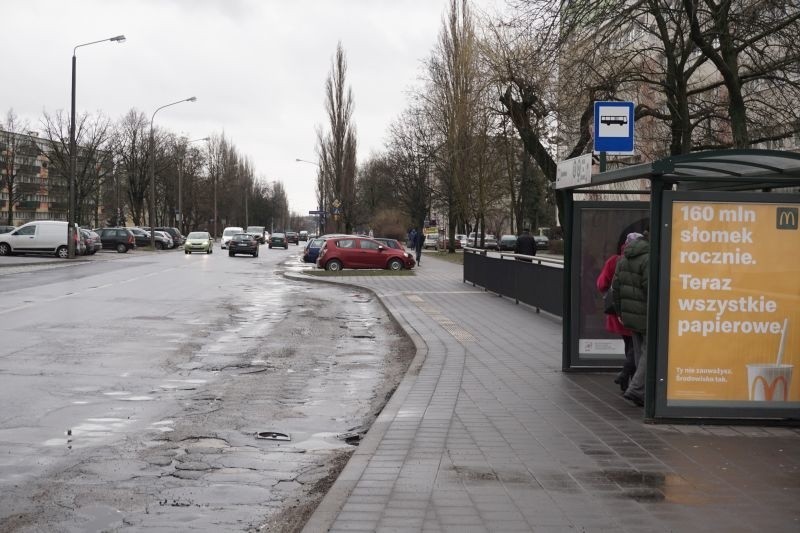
<point>93,160</point>
<point>15,150</point>
<point>452,99</point>
<point>337,147</point>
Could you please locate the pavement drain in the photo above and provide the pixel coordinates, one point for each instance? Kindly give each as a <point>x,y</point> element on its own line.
<point>273,435</point>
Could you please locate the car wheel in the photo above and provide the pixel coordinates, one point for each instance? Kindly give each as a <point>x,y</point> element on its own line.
<point>187,252</point>
<point>159,245</point>
<point>5,249</point>
<point>209,250</point>
<point>334,265</point>
<point>255,254</point>
<point>62,251</point>
<point>395,264</point>
<point>231,254</point>
<point>121,248</point>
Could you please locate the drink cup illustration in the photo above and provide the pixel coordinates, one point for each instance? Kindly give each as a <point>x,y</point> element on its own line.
<point>769,382</point>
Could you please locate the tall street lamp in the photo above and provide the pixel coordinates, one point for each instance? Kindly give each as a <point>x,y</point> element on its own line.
<point>71,201</point>
<point>153,170</point>
<point>180,180</point>
<point>321,218</point>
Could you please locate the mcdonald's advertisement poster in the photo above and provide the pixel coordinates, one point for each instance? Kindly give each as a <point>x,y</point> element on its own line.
<point>734,308</point>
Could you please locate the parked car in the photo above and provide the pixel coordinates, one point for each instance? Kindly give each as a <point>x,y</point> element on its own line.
<point>292,237</point>
<point>199,241</point>
<point>361,252</point>
<point>390,243</point>
<point>39,237</point>
<point>542,242</point>
<point>165,238</point>
<point>311,251</point>
<point>227,235</point>
<point>175,234</point>
<point>243,243</point>
<point>278,239</point>
<point>7,229</point>
<point>303,236</point>
<point>259,231</point>
<point>141,237</point>
<point>431,241</point>
<point>119,239</point>
<point>508,243</point>
<point>91,242</point>
<point>462,238</point>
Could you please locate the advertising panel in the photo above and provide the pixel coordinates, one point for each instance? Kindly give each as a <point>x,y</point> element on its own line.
<point>601,230</point>
<point>733,336</point>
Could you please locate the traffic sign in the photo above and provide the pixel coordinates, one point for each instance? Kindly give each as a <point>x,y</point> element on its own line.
<point>613,127</point>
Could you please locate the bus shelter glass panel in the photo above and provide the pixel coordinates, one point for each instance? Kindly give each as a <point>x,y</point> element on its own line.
<point>601,229</point>
<point>729,306</point>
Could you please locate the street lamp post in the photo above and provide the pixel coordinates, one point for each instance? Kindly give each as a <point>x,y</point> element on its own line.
<point>153,170</point>
<point>180,181</point>
<point>321,218</point>
<point>71,201</point>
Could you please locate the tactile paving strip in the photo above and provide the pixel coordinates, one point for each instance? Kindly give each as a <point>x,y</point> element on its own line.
<point>459,333</point>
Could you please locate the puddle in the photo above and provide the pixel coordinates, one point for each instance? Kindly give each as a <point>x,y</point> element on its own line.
<point>100,518</point>
<point>137,399</point>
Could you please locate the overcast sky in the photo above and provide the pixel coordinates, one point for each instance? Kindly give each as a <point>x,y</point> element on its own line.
<point>257,68</point>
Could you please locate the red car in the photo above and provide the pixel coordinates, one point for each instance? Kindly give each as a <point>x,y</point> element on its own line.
<point>361,252</point>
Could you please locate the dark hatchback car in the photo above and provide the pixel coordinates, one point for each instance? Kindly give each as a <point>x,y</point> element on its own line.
<point>292,237</point>
<point>7,229</point>
<point>278,240</point>
<point>177,238</point>
<point>243,243</point>
<point>311,251</point>
<point>119,239</point>
<point>91,241</point>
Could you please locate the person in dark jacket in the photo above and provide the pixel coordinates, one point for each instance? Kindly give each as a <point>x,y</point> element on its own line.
<point>630,299</point>
<point>526,244</point>
<point>613,324</point>
<point>419,241</point>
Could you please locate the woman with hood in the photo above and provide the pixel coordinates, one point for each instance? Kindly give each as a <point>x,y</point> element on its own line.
<point>613,323</point>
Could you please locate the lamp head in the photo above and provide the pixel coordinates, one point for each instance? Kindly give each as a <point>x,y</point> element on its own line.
<point>191,99</point>
<point>118,39</point>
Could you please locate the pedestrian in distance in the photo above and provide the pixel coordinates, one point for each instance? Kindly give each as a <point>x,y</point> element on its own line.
<point>613,323</point>
<point>412,238</point>
<point>630,300</point>
<point>419,241</point>
<point>526,245</point>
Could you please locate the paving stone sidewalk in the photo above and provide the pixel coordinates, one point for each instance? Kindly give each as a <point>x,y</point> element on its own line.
<point>485,434</point>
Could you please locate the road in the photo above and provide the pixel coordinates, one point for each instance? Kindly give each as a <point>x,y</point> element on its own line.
<point>133,387</point>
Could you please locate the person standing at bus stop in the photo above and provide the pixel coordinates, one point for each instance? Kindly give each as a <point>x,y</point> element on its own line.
<point>630,300</point>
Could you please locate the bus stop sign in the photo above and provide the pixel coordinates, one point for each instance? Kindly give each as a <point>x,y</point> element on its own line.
<point>613,128</point>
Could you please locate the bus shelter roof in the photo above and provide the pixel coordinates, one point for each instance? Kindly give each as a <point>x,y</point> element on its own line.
<point>729,170</point>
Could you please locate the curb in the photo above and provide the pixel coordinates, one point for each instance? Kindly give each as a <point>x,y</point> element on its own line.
<point>328,509</point>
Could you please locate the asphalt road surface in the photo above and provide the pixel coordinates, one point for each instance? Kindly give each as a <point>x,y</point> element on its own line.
<point>132,390</point>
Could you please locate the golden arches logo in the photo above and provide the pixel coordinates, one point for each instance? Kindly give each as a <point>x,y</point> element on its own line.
<point>770,388</point>
<point>786,218</point>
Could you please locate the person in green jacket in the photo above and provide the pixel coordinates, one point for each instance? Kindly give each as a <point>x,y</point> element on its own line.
<point>630,300</point>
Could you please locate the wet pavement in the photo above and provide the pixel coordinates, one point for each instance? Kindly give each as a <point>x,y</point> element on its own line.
<point>132,391</point>
<point>485,433</point>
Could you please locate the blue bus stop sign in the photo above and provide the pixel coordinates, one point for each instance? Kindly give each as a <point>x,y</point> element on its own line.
<point>613,128</point>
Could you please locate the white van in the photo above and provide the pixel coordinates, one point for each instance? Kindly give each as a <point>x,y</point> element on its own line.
<point>38,237</point>
<point>228,233</point>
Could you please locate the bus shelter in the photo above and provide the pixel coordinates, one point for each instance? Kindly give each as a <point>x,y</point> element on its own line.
<point>723,325</point>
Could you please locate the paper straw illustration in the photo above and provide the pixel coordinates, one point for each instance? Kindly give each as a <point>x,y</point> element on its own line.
<point>782,345</point>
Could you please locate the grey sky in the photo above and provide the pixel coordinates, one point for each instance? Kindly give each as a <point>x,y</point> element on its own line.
<point>258,68</point>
